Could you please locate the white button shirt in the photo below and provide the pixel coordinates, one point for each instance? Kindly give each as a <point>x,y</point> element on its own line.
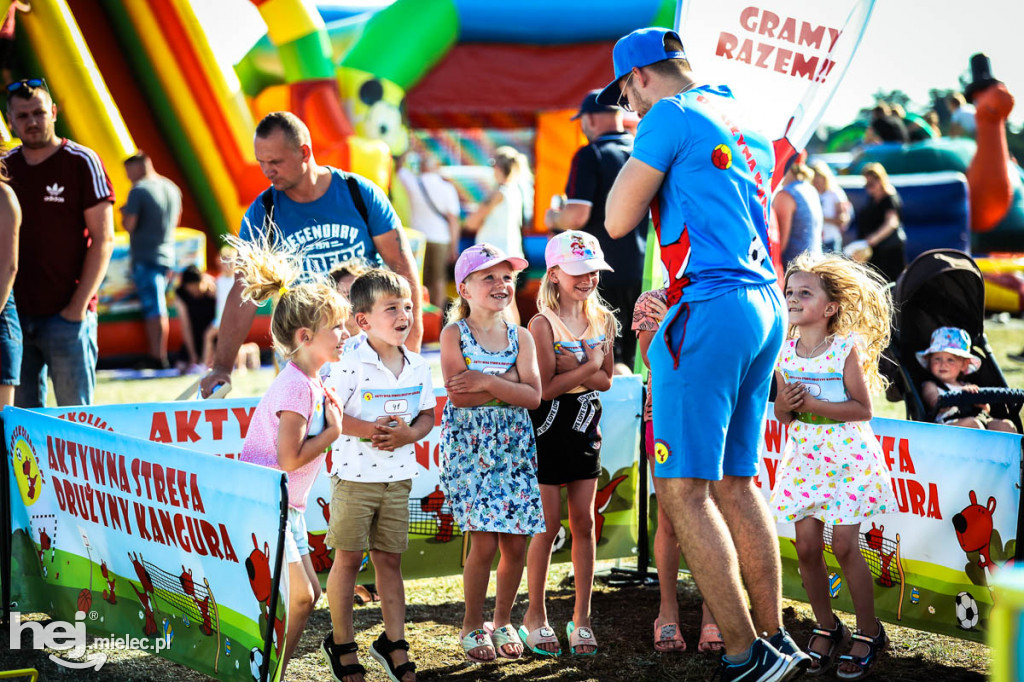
<point>368,390</point>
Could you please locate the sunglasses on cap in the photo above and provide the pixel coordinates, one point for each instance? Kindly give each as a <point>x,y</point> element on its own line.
<point>26,83</point>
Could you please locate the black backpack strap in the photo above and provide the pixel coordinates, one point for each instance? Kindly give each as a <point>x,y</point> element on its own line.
<point>268,209</point>
<point>357,197</point>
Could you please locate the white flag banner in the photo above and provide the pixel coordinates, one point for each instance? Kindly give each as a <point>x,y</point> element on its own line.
<point>783,59</point>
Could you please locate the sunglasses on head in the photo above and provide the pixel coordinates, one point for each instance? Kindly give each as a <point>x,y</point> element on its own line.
<point>26,83</point>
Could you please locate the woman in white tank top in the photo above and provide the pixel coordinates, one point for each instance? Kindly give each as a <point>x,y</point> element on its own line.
<point>499,220</point>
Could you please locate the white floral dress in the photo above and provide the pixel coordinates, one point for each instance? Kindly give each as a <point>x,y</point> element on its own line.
<point>831,471</point>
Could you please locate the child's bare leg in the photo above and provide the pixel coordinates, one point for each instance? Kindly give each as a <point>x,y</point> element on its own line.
<point>303,592</point>
<point>538,560</point>
<point>968,423</point>
<point>341,582</point>
<point>845,545</point>
<point>388,568</point>
<point>475,574</point>
<point>510,574</point>
<point>584,548</point>
<point>814,573</point>
<point>666,557</point>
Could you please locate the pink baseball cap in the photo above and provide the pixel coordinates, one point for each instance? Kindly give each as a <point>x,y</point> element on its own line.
<point>482,256</point>
<point>575,252</point>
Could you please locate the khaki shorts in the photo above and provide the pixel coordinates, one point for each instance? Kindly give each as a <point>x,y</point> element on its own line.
<point>369,516</point>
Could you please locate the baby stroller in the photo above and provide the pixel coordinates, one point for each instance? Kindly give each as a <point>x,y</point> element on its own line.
<point>944,288</point>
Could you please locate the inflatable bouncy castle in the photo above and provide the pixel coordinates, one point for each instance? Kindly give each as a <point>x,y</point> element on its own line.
<point>960,193</point>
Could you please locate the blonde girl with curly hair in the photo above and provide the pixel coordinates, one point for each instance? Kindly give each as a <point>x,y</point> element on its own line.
<point>832,470</point>
<point>297,419</point>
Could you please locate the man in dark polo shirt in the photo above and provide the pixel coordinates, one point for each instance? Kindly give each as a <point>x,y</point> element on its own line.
<point>67,234</point>
<point>594,169</point>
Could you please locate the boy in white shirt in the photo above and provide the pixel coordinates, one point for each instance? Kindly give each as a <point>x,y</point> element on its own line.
<point>388,401</point>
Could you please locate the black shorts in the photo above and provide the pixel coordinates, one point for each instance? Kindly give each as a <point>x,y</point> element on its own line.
<point>568,438</point>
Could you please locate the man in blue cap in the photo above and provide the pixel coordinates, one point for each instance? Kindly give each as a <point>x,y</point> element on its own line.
<point>593,170</point>
<point>706,180</point>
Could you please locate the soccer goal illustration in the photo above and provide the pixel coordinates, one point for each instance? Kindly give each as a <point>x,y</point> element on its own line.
<point>195,602</point>
<point>883,557</point>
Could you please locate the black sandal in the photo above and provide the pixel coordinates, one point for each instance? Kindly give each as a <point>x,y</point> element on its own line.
<point>333,653</point>
<point>381,650</point>
<point>838,636</point>
<point>875,644</point>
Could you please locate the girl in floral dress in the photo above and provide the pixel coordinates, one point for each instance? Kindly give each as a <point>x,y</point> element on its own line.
<point>833,471</point>
<point>488,451</point>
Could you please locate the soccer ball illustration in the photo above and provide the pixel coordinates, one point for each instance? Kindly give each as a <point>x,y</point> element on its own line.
<point>757,252</point>
<point>966,611</point>
<point>560,539</point>
<point>255,662</point>
<point>721,156</point>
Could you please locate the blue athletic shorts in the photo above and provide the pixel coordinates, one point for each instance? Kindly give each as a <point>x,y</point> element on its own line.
<point>151,283</point>
<point>10,344</point>
<point>711,363</point>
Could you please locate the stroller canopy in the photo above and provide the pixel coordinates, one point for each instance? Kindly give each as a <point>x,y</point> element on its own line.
<point>941,288</point>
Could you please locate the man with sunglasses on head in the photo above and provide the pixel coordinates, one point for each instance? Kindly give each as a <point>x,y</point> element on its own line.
<point>706,179</point>
<point>67,235</point>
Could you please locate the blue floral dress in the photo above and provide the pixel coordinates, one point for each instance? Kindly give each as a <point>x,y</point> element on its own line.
<point>489,454</point>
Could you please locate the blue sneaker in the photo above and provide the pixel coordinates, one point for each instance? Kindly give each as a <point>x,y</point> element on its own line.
<point>765,664</point>
<point>785,644</point>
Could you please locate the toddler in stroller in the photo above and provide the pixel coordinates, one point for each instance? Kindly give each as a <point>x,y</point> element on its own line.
<point>949,358</point>
<point>945,288</point>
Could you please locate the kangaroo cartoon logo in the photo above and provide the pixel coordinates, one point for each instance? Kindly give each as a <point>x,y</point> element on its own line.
<point>45,543</point>
<point>146,596</point>
<point>25,465</point>
<point>319,552</point>
<point>661,451</point>
<point>434,504</point>
<point>676,257</point>
<point>108,593</point>
<point>257,565</point>
<point>601,501</point>
<point>874,538</point>
<point>188,586</point>
<point>979,539</point>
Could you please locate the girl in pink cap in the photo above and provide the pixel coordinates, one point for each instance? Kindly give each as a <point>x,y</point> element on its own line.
<point>488,456</point>
<point>574,331</point>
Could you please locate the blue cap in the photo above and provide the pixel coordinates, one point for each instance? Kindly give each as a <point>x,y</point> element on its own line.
<point>590,105</point>
<point>640,48</point>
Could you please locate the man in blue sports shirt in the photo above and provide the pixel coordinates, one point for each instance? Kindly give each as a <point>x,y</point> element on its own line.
<point>315,209</point>
<point>706,180</point>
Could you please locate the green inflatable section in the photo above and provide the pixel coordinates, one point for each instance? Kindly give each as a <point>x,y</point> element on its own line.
<point>666,16</point>
<point>424,41</point>
<point>928,156</point>
<point>307,58</point>
<point>173,129</point>
<point>952,154</point>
